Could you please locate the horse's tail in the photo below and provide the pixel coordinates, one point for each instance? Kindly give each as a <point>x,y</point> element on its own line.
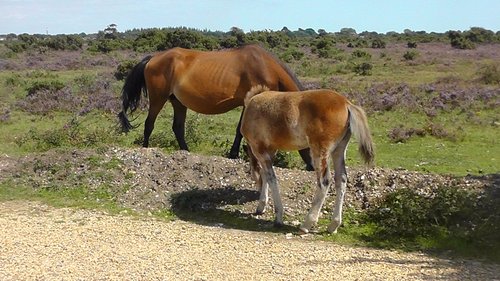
<point>135,83</point>
<point>359,128</point>
<point>255,90</point>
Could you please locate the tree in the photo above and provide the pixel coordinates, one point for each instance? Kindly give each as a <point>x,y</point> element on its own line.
<point>458,41</point>
<point>111,31</point>
<point>479,35</point>
<point>347,31</point>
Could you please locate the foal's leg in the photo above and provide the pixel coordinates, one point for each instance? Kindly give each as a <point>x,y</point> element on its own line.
<point>156,103</point>
<point>255,173</point>
<point>340,177</point>
<point>320,159</point>
<point>269,176</point>
<point>235,148</point>
<point>178,125</point>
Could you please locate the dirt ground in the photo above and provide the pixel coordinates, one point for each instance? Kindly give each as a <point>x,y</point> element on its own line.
<point>38,242</point>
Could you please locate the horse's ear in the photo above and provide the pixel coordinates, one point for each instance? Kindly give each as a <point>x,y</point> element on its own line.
<point>255,90</point>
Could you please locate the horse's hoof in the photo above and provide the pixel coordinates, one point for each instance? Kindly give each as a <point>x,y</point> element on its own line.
<point>233,156</point>
<point>309,167</point>
<point>278,224</point>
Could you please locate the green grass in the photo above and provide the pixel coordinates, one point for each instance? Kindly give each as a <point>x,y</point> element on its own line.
<point>76,197</point>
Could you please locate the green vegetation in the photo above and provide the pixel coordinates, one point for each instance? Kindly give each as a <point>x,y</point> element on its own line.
<point>430,108</point>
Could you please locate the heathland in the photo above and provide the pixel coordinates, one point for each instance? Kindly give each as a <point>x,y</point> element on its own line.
<point>432,102</point>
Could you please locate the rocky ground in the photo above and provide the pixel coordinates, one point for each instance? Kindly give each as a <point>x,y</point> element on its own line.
<point>150,180</point>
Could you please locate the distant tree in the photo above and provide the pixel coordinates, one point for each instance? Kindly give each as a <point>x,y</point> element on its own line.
<point>239,34</point>
<point>458,41</point>
<point>322,32</point>
<point>111,31</point>
<point>149,41</point>
<point>347,31</point>
<point>479,35</point>
<point>64,42</point>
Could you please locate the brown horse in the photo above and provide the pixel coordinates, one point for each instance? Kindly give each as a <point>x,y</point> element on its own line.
<point>206,82</point>
<point>322,120</point>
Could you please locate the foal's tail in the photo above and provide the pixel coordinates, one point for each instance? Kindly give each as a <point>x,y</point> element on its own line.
<point>359,127</point>
<point>135,83</point>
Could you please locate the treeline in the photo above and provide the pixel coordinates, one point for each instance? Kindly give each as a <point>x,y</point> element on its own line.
<point>156,39</point>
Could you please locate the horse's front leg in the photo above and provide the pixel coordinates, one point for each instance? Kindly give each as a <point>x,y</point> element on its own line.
<point>179,123</point>
<point>235,148</point>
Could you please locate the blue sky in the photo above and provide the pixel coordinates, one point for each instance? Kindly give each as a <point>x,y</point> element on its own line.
<point>68,17</point>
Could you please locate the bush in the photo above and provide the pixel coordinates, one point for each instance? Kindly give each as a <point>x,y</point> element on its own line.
<point>408,214</point>
<point>378,44</point>
<point>124,68</point>
<point>64,42</point>
<point>412,44</point>
<point>489,74</point>
<point>458,41</point>
<point>149,41</point>
<point>410,55</point>
<point>291,54</point>
<point>361,54</point>
<point>44,85</point>
<point>364,69</point>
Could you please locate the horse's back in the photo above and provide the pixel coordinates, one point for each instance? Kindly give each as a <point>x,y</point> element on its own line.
<point>213,82</point>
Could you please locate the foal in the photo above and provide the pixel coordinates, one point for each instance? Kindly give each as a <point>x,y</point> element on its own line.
<point>321,120</point>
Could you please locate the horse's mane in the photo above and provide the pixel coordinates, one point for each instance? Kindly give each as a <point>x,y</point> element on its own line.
<point>287,69</point>
<point>255,90</point>
<point>282,64</point>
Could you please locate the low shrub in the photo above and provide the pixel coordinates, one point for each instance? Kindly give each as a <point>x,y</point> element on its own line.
<point>44,85</point>
<point>378,43</point>
<point>410,55</point>
<point>124,68</point>
<point>412,45</point>
<point>489,74</point>
<point>364,68</point>
<point>361,54</point>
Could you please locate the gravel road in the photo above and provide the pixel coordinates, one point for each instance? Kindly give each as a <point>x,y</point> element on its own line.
<point>38,242</point>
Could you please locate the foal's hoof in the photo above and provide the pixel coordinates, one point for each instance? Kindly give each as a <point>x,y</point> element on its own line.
<point>309,167</point>
<point>332,228</point>
<point>303,231</point>
<point>258,213</point>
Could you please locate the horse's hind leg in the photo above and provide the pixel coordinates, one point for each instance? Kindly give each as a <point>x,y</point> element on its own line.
<point>156,103</point>
<point>340,178</point>
<point>178,125</point>
<point>320,157</point>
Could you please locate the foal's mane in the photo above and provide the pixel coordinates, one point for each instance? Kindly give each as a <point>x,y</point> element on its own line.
<point>255,90</point>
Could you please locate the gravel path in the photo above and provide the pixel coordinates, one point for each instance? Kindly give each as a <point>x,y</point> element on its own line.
<point>38,242</point>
